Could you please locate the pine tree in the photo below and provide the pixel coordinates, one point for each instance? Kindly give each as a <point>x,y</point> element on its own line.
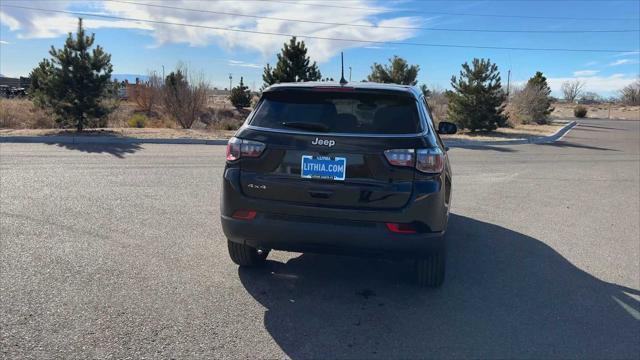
<point>76,80</point>
<point>40,81</point>
<point>476,102</point>
<point>240,96</point>
<point>425,91</point>
<point>539,80</point>
<point>397,72</point>
<point>540,109</point>
<point>293,65</point>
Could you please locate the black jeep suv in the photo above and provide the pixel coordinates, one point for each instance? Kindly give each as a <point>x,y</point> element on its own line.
<point>351,169</point>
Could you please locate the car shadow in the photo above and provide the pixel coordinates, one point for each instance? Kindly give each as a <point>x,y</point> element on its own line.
<point>118,150</point>
<point>584,126</point>
<point>566,144</point>
<point>506,295</point>
<point>498,148</point>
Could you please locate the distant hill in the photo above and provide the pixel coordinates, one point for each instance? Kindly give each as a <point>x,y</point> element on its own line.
<point>129,77</point>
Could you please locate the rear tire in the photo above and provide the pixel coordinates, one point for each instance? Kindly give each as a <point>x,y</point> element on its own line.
<point>245,255</point>
<point>430,270</point>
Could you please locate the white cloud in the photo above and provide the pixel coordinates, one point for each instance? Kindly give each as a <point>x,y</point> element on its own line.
<point>627,53</point>
<point>622,62</point>
<point>31,24</point>
<point>4,42</point>
<point>39,24</point>
<point>597,84</point>
<point>243,64</point>
<point>585,72</point>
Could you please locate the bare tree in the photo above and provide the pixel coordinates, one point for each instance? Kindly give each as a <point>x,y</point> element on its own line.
<point>630,94</point>
<point>438,103</point>
<point>148,94</point>
<point>590,97</point>
<point>572,90</point>
<point>185,96</point>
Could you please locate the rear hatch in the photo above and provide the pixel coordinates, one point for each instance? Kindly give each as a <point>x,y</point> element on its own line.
<point>325,147</point>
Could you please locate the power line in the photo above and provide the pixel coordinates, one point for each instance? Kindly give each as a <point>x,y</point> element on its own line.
<point>400,43</point>
<point>374,26</point>
<point>449,13</point>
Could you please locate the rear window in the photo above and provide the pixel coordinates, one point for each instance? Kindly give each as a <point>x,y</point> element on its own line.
<point>338,112</point>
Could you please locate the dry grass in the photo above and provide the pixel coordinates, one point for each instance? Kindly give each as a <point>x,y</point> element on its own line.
<point>598,111</point>
<point>145,133</point>
<point>22,114</point>
<point>219,115</point>
<point>121,115</point>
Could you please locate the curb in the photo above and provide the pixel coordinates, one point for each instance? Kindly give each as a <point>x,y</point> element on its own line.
<point>77,140</point>
<point>541,140</point>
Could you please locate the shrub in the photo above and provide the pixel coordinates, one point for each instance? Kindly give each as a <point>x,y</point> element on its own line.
<point>138,121</point>
<point>120,116</point>
<point>184,97</point>
<point>438,102</point>
<point>147,95</point>
<point>228,124</point>
<point>225,113</point>
<point>580,111</point>
<point>530,104</point>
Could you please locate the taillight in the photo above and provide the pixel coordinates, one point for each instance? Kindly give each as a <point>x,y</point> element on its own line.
<point>239,148</point>
<point>400,157</point>
<point>429,161</point>
<point>400,228</point>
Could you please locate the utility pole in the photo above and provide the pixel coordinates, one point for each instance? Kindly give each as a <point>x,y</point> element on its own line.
<point>230,78</point>
<point>508,83</point>
<point>163,74</point>
<point>349,73</point>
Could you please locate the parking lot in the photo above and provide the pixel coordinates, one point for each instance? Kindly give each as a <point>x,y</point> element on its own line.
<point>117,250</point>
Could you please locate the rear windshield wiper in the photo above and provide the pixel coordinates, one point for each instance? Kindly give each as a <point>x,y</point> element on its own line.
<point>306,126</point>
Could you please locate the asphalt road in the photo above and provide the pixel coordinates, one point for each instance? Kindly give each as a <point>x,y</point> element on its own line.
<point>117,251</point>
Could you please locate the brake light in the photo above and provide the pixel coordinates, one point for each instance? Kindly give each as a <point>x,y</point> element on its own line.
<point>401,228</point>
<point>333,88</point>
<point>239,148</point>
<point>429,161</point>
<point>244,214</point>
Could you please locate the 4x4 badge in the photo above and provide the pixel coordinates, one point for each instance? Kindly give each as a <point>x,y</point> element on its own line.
<point>325,142</point>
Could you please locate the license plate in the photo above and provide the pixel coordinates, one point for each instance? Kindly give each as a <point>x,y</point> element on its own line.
<point>323,167</point>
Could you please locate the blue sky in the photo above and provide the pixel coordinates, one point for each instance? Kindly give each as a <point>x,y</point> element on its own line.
<point>141,47</point>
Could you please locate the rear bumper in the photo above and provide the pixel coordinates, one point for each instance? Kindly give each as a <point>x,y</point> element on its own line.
<point>295,227</point>
<point>306,234</point>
